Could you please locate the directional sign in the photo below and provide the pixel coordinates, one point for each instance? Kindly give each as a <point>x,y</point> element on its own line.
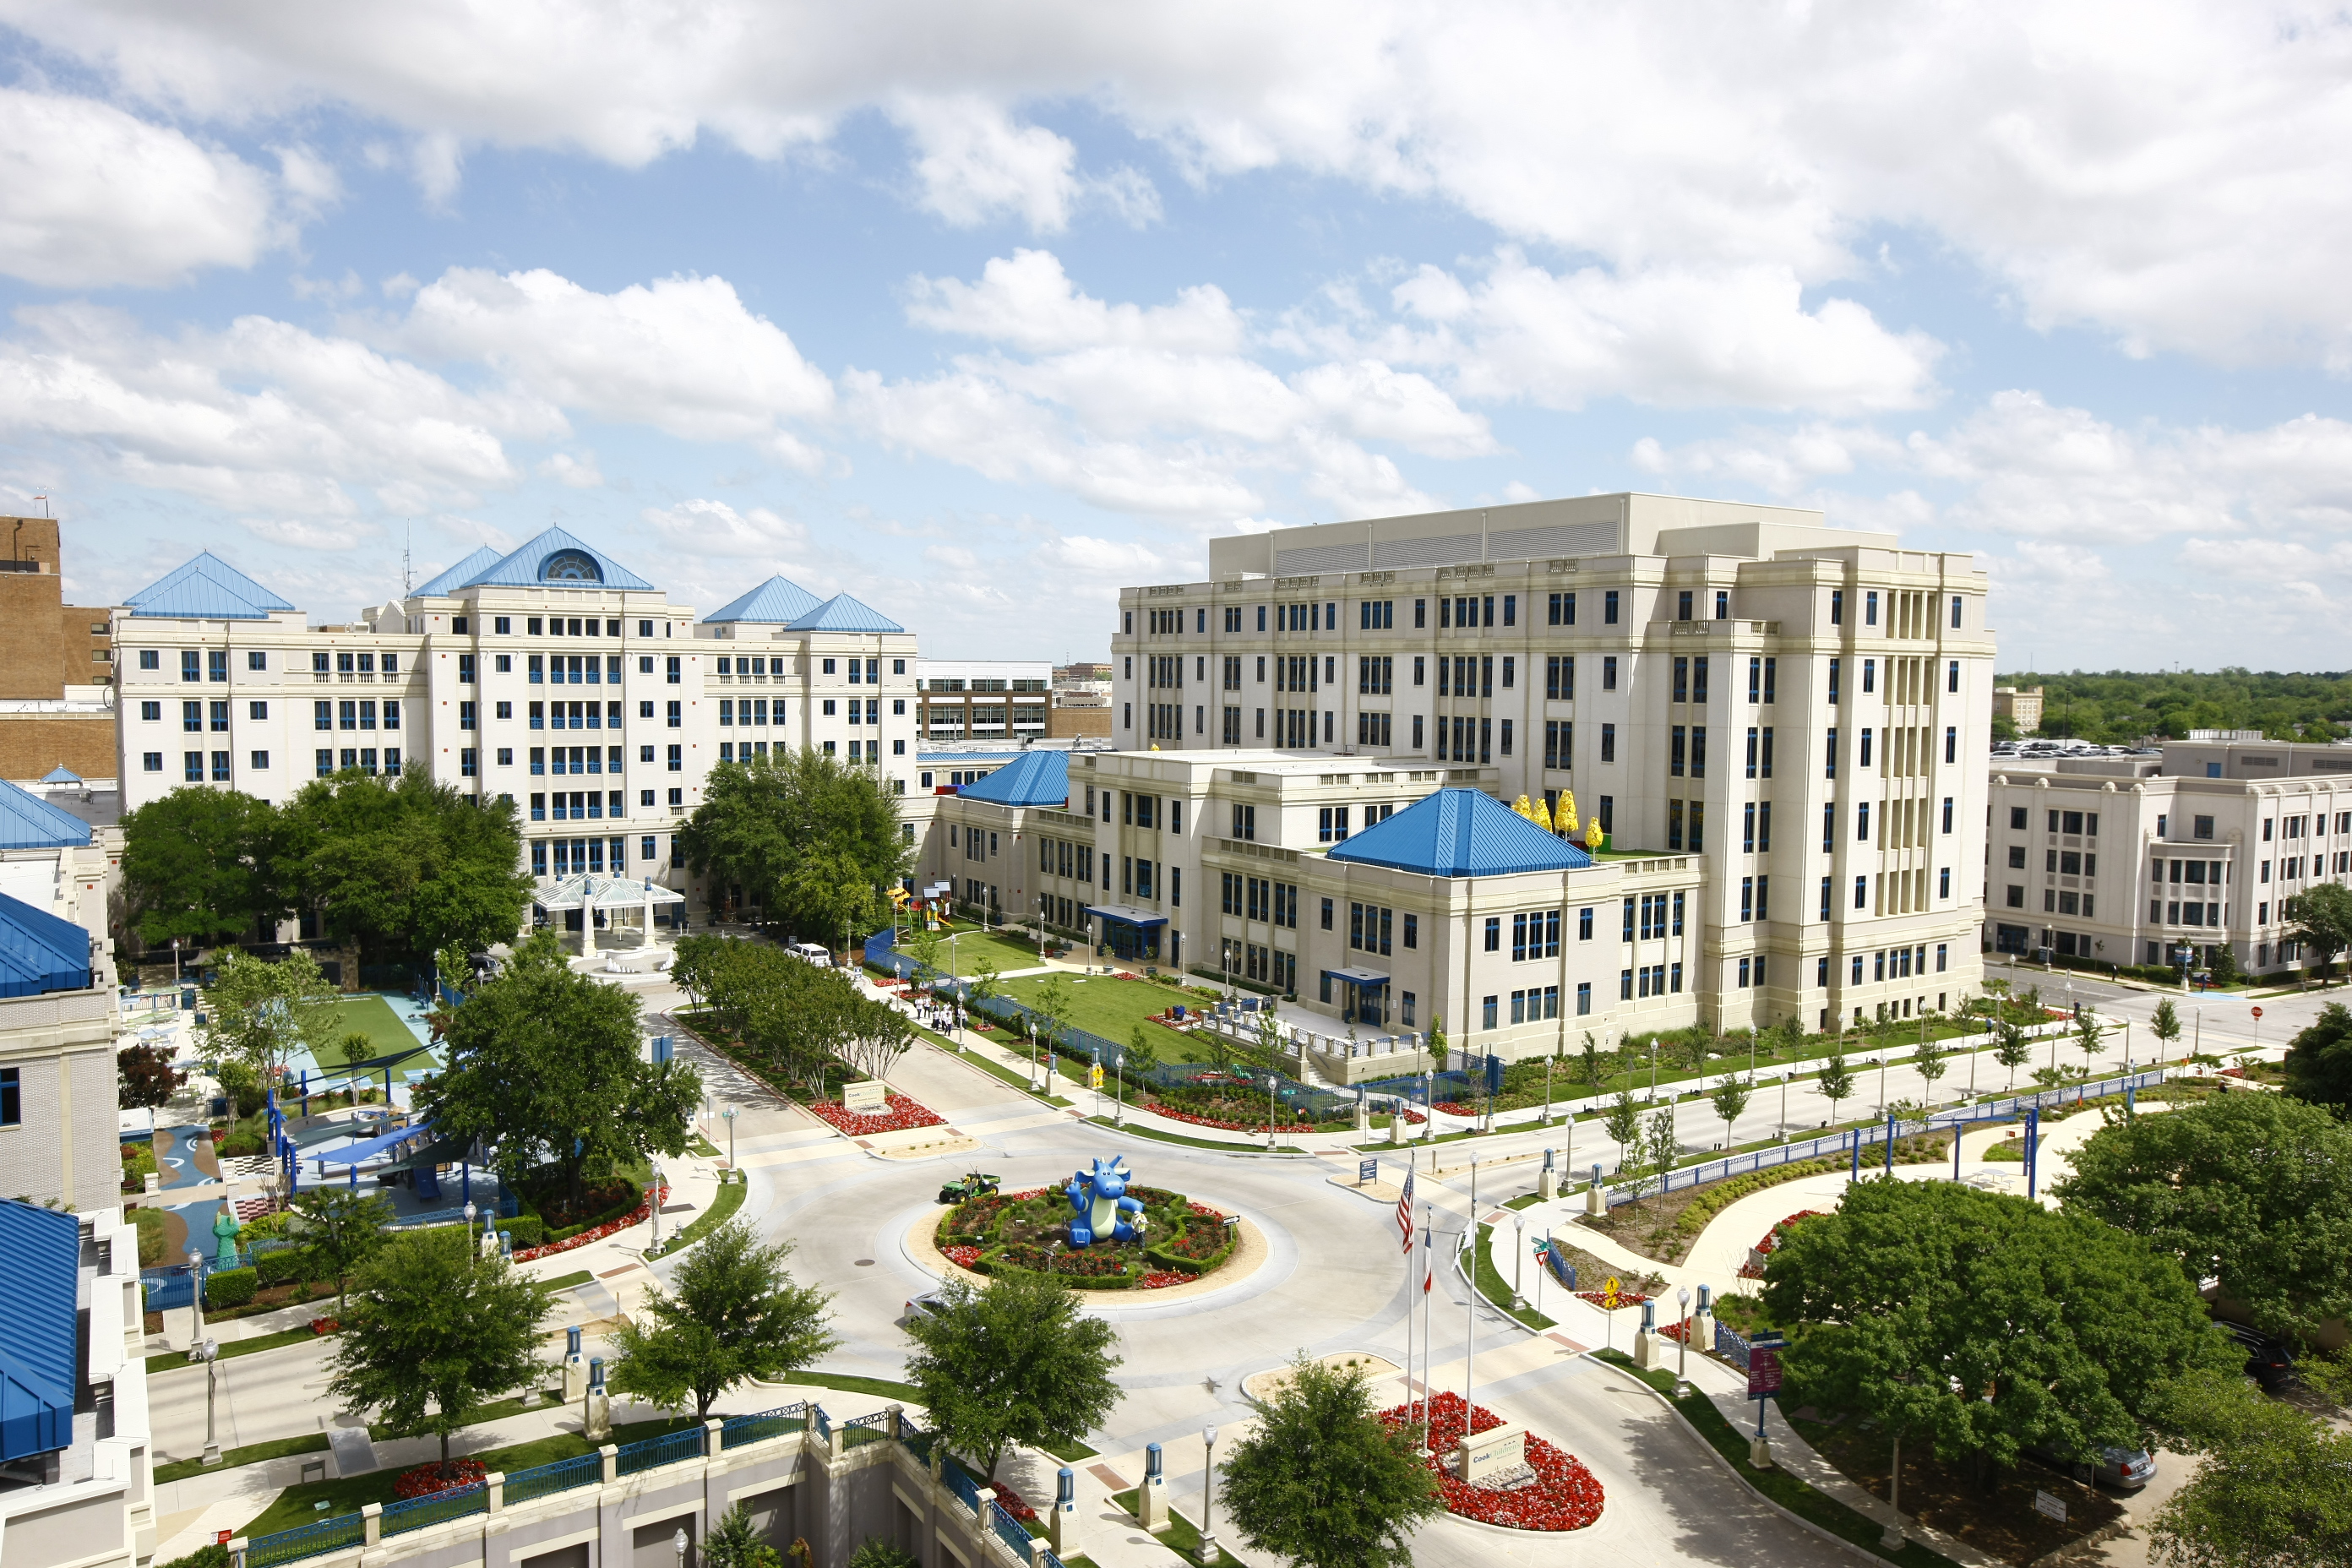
<point>1764,1368</point>
<point>1368,1171</point>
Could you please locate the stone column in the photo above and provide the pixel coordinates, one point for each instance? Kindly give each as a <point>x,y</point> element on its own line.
<point>371,1524</point>
<point>1646,1339</point>
<point>1063,1529</point>
<point>1151,1497</point>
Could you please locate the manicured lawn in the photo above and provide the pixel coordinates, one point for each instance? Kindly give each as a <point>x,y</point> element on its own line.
<point>722,1209</point>
<point>162,1361</point>
<point>373,1016</point>
<point>251,1453</point>
<point>972,944</point>
<point>1112,1007</point>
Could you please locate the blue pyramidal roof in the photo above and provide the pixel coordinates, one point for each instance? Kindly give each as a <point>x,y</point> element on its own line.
<point>1032,778</point>
<point>206,589</point>
<point>61,774</point>
<point>28,822</point>
<point>40,952</point>
<point>557,559</point>
<point>1461,833</point>
<point>779,600</point>
<point>464,572</point>
<point>40,1259</point>
<point>843,614</point>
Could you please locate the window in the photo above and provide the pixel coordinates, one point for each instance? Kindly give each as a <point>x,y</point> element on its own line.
<point>1609,672</point>
<point>1869,675</point>
<point>191,667</point>
<point>467,714</point>
<point>676,760</point>
<point>1870,608</point>
<point>1609,607</point>
<point>148,658</point>
<point>1609,742</point>
<point>676,715</point>
<point>192,717</point>
<point>467,674</point>
<point>193,766</point>
<point>260,760</point>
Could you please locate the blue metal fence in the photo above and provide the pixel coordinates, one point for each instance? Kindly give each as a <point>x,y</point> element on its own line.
<point>822,1423</point>
<point>313,1540</point>
<point>960,1482</point>
<point>546,1480</point>
<point>857,1430</point>
<point>664,1451</point>
<point>739,1430</point>
<point>1730,1346</point>
<point>416,1513</point>
<point>1008,1529</point>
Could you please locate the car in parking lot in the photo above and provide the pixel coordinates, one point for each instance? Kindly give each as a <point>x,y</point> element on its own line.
<point>2117,1470</point>
<point>927,1305</point>
<point>2268,1361</point>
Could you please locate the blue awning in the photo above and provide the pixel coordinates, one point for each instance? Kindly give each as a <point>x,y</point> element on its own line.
<point>1127,915</point>
<point>373,1147</point>
<point>40,1260</point>
<point>1361,979</point>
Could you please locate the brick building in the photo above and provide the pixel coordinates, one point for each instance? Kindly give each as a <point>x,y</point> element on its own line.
<point>57,664</point>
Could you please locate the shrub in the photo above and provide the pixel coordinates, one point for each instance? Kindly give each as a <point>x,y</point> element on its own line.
<point>1714,1200</point>
<point>211,1556</point>
<point>290,1266</point>
<point>230,1287</point>
<point>528,1229</point>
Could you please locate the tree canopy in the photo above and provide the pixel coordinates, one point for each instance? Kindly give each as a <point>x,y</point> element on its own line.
<point>809,838</point>
<point>1984,1322</point>
<point>2118,707</point>
<point>1017,1363</point>
<point>1321,1482</point>
<point>2254,1190</point>
<point>2319,1061</point>
<point>202,864</point>
<point>2274,1489</point>
<point>544,1063</point>
<point>2320,917</point>
<point>262,1010</point>
<point>731,1314</point>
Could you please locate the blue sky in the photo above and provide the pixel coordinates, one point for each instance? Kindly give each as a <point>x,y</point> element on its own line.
<point>970,311</point>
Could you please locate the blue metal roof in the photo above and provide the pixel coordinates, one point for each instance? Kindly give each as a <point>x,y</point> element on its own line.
<point>40,1260</point>
<point>40,952</point>
<point>843,614</point>
<point>464,572</point>
<point>28,822</point>
<point>206,589</point>
<point>951,758</point>
<point>61,774</point>
<point>1461,833</point>
<point>1032,778</point>
<point>556,559</point>
<point>779,600</point>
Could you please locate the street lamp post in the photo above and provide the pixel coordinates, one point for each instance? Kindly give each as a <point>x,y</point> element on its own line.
<point>652,1207</point>
<point>1784,1103</point>
<point>1518,1262</point>
<point>678,1545</point>
<point>1547,1110</point>
<point>1682,1365</point>
<point>1209,1496</point>
<point>210,1350</point>
<point>730,1114</point>
<point>1271,1083</point>
<point>1118,1094</point>
<point>470,1212</point>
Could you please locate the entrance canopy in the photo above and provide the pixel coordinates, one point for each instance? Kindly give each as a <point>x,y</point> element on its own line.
<point>1362,979</point>
<point>590,892</point>
<point>1127,915</point>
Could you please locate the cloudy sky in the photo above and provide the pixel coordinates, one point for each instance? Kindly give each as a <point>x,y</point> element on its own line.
<point>980,311</point>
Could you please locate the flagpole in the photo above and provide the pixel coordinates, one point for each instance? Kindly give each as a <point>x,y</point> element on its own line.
<point>1429,1319</point>
<point>1470,1333</point>
<point>1412,1161</point>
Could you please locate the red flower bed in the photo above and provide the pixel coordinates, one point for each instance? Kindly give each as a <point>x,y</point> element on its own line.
<point>1456,1108</point>
<point>1202,1211</point>
<point>1175,1115</point>
<point>1160,1278</point>
<point>1564,1495</point>
<point>326,1326</point>
<point>1011,1502</point>
<point>901,1115</point>
<point>597,1233</point>
<point>426,1479</point>
<point>1773,1236</point>
<point>961,1256</point>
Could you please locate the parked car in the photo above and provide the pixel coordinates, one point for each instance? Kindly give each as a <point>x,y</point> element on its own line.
<point>925,1305</point>
<point>2268,1362</point>
<point>2117,1470</point>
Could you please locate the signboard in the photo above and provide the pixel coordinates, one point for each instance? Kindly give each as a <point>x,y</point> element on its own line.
<point>869,1097</point>
<point>2054,1507</point>
<point>1495,1071</point>
<point>1764,1368</point>
<point>2258,1014</point>
<point>1367,1172</point>
<point>1490,1453</point>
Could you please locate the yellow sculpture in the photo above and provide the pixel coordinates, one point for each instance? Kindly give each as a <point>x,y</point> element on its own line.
<point>1564,819</point>
<point>1592,834</point>
<point>1520,805</point>
<point>1538,813</point>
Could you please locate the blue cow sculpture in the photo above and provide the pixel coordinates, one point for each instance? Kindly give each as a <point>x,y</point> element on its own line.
<point>1100,1206</point>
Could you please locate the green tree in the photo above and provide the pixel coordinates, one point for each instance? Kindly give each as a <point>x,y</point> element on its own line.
<point>2090,1039</point>
<point>358,1047</point>
<point>876,1552</point>
<point>734,1541</point>
<point>732,1314</point>
<point>343,1226</point>
<point>1018,1363</point>
<point>1321,1483</point>
<point>808,837</point>
<point>800,1019</point>
<point>697,962</point>
<point>2165,1024</point>
<point>985,986</point>
<point>1589,1065</point>
<point>1050,1004</point>
<point>2012,1049</point>
<point>406,865</point>
<point>1622,1122</point>
<point>1730,1098</point>
<point>1835,1082</point>
<point>2320,917</point>
<point>263,1011</point>
<point>543,1062</point>
<point>1141,1057</point>
<point>432,1333</point>
<point>1930,1059</point>
<point>2319,1061</point>
<point>925,946</point>
<point>2275,1490</point>
<point>202,864</point>
<point>2254,1190</point>
<point>1983,1322</point>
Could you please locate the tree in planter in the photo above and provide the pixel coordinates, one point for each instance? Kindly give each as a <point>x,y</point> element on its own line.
<point>1730,1098</point>
<point>1622,1122</point>
<point>2165,1024</point>
<point>731,1314</point>
<point>2254,1190</point>
<point>696,964</point>
<point>544,1062</point>
<point>262,1013</point>
<point>2010,1048</point>
<point>2320,918</point>
<point>1018,1363</point>
<point>1049,1005</point>
<point>342,1228</point>
<point>1662,1151</point>
<point>2275,1486</point>
<point>144,1077</point>
<point>1929,1060</point>
<point>877,1036</point>
<point>1589,1065</point>
<point>1321,1483</point>
<point>2090,1039</point>
<point>433,1333</point>
<point>2319,1061</point>
<point>1836,1083</point>
<point>1910,1303</point>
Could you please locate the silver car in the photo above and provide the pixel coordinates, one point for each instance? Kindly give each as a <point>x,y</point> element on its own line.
<point>2118,1469</point>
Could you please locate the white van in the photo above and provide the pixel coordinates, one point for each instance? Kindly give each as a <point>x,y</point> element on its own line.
<point>811,952</point>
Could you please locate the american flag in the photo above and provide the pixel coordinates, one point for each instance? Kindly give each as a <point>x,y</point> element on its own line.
<point>1404,1212</point>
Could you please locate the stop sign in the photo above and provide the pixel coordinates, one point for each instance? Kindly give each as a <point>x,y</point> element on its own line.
<point>2258,1013</point>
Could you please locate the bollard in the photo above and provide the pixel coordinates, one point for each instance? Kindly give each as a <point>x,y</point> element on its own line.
<point>1064,1529</point>
<point>596,1415</point>
<point>1547,1182</point>
<point>1646,1339</point>
<point>1595,1200</point>
<point>1151,1498</point>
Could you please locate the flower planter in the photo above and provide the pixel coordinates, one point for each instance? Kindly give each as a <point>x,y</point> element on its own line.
<point>1564,1495</point>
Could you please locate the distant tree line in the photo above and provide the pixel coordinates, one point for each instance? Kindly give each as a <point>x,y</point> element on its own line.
<point>2120,707</point>
<point>802,837</point>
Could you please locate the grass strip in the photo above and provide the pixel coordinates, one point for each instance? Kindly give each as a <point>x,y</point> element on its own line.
<point>251,1453</point>
<point>1155,1133</point>
<point>565,1281</point>
<point>1813,1507</point>
<point>1497,1290</point>
<point>1181,1537</point>
<point>722,1210</point>
<point>164,1361</point>
<point>1003,1074</point>
<point>299,1504</point>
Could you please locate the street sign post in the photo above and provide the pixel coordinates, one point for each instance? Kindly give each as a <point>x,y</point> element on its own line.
<point>1764,1373</point>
